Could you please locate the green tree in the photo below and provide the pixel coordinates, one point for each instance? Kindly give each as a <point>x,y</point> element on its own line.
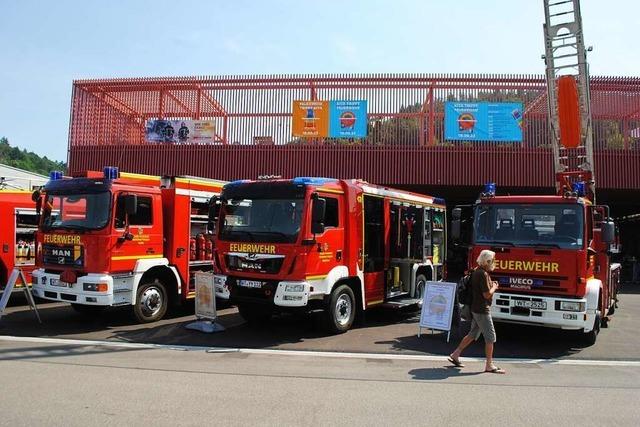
<point>27,160</point>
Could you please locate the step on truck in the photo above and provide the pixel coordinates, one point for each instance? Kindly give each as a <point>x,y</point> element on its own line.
<point>17,234</point>
<point>340,246</point>
<point>121,239</point>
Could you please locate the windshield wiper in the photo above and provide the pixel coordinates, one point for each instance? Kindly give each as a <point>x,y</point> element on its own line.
<point>68,227</point>
<point>494,243</point>
<point>541,245</point>
<point>279,233</point>
<point>248,233</point>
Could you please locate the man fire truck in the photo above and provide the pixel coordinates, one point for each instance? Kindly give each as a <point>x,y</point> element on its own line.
<point>552,252</point>
<point>17,234</point>
<point>116,239</point>
<point>343,246</point>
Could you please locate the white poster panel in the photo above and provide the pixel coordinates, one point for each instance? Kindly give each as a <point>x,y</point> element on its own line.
<point>205,295</point>
<point>180,131</point>
<point>437,305</point>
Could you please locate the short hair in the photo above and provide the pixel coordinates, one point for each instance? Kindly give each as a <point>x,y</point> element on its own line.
<point>485,256</point>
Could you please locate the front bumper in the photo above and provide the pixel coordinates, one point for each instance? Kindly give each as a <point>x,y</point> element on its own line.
<point>47,286</point>
<point>279,293</point>
<point>504,309</point>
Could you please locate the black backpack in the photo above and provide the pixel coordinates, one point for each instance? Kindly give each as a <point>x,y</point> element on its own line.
<point>465,294</point>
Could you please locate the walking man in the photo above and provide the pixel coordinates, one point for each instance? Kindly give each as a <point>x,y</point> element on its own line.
<point>482,290</point>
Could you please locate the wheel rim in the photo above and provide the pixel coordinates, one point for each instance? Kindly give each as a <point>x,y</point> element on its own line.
<point>344,307</point>
<point>151,301</point>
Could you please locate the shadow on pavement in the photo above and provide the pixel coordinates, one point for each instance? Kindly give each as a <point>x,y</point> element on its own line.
<point>32,353</point>
<point>433,374</point>
<point>514,341</point>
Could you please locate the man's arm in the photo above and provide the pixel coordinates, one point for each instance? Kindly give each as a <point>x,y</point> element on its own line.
<point>489,288</point>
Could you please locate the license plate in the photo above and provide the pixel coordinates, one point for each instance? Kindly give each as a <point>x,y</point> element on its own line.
<point>534,305</point>
<point>250,283</point>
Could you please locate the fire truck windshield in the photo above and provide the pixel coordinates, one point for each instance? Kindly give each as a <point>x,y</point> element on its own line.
<point>261,220</point>
<point>76,211</point>
<point>554,225</point>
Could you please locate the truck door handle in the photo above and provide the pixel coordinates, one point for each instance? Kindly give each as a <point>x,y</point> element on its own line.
<point>338,255</point>
<point>150,250</point>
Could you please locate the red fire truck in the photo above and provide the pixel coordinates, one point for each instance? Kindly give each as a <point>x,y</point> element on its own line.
<point>17,234</point>
<point>115,239</point>
<point>316,243</point>
<point>553,261</point>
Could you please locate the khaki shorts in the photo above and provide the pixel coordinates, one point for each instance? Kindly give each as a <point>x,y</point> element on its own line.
<point>482,324</point>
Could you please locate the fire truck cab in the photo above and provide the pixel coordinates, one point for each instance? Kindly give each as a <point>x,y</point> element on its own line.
<point>552,260</point>
<point>121,239</point>
<point>341,246</point>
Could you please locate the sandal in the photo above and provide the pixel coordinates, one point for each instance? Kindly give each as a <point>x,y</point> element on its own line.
<point>496,370</point>
<point>455,362</point>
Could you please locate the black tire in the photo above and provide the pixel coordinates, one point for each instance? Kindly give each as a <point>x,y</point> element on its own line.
<point>151,301</point>
<point>421,285</point>
<point>255,314</point>
<point>590,338</point>
<point>341,311</point>
<point>89,310</point>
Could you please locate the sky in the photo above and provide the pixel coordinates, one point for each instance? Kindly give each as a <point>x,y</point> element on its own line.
<point>44,46</point>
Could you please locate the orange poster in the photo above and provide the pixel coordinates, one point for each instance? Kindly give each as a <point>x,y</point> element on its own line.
<point>310,119</point>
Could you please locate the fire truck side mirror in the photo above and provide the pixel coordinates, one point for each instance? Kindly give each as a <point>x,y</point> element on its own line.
<point>608,230</point>
<point>214,212</point>
<point>317,215</point>
<point>131,204</point>
<point>456,216</point>
<point>35,196</point>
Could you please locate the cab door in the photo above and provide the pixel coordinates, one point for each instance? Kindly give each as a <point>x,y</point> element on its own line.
<point>139,235</point>
<point>328,251</point>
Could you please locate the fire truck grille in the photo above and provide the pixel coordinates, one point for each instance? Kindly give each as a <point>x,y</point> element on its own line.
<point>270,265</point>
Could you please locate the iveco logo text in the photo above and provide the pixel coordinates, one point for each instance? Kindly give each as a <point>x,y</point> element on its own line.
<point>520,281</point>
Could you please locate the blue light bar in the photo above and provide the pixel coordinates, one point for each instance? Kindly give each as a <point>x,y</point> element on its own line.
<point>236,182</point>
<point>110,172</point>
<point>579,188</point>
<point>312,180</point>
<point>490,189</point>
<point>55,175</point>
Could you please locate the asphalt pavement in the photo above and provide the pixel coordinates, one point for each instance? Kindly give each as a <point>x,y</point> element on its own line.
<point>55,382</point>
<point>385,331</point>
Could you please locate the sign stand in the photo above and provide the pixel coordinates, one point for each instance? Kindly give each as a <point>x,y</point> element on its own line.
<point>437,307</point>
<point>205,305</point>
<point>6,294</point>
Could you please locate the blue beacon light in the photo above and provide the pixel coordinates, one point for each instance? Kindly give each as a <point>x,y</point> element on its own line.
<point>55,175</point>
<point>579,188</point>
<point>490,189</point>
<point>110,172</point>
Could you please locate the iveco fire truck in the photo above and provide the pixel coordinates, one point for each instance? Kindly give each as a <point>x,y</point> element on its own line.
<point>342,246</point>
<point>121,239</point>
<point>17,234</point>
<point>552,252</point>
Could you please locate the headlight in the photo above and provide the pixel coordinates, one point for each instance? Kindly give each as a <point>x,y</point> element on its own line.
<point>571,306</point>
<point>96,287</point>
<point>294,287</point>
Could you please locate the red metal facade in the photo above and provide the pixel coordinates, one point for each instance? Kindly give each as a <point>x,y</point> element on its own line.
<point>405,145</point>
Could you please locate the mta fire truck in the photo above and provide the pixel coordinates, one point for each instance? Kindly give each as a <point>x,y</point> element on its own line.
<point>553,262</point>
<point>121,239</point>
<point>17,234</point>
<point>341,246</point>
